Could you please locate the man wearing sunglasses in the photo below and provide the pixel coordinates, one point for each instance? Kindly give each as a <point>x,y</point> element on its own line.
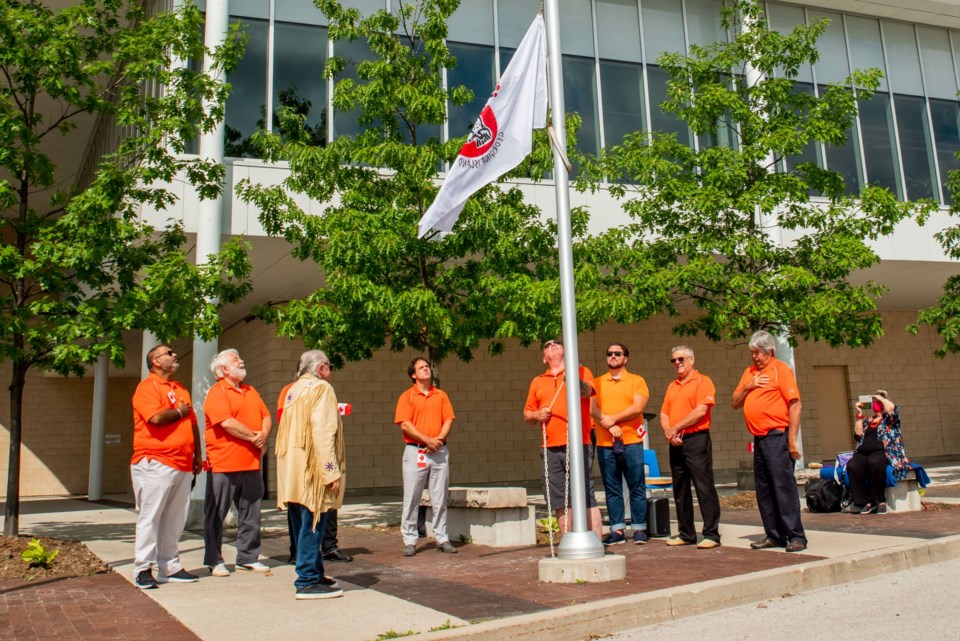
<point>546,407</point>
<point>617,411</point>
<point>685,419</point>
<point>166,455</point>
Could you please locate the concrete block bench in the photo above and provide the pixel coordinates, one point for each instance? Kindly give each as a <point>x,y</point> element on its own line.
<point>492,516</point>
<point>905,495</point>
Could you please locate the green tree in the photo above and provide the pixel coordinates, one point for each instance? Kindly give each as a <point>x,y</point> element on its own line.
<point>706,224</point>
<point>77,265</point>
<point>944,317</point>
<point>493,278</point>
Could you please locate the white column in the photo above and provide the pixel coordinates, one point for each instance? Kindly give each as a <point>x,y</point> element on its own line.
<point>97,429</point>
<point>209,229</point>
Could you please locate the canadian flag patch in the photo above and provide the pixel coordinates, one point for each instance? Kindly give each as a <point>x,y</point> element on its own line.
<point>421,458</point>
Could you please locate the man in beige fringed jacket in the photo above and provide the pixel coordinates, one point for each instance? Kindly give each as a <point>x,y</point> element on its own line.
<point>311,466</point>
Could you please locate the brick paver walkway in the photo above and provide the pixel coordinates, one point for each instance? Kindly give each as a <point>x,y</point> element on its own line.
<point>103,607</point>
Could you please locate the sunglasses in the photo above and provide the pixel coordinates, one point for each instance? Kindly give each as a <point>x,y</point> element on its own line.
<point>612,353</point>
<point>678,360</point>
<point>550,344</point>
<point>169,352</point>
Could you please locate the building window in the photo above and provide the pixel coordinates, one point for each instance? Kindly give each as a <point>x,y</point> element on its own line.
<point>880,143</point>
<point>300,53</point>
<point>946,132</point>
<point>918,166</point>
<point>248,91</point>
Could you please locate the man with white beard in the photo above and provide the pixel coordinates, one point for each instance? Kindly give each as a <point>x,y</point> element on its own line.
<point>238,424</point>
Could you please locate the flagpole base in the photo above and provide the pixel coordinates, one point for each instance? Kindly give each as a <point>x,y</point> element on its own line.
<point>611,567</point>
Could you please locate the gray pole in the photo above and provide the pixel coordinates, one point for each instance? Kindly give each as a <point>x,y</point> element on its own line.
<point>209,229</point>
<point>580,542</point>
<point>97,429</point>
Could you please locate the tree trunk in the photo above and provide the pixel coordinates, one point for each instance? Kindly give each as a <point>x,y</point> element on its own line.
<point>11,523</point>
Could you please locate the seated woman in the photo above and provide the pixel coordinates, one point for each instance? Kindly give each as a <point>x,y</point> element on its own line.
<point>879,444</point>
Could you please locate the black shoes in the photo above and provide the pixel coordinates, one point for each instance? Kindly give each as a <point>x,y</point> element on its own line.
<point>338,555</point>
<point>796,545</point>
<point>765,544</point>
<point>181,576</point>
<point>145,581</point>
<point>318,591</point>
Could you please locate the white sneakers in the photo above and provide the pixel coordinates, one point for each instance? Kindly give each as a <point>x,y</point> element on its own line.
<point>219,570</point>
<point>256,566</point>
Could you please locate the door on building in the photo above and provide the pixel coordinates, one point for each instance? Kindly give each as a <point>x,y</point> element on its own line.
<point>834,411</point>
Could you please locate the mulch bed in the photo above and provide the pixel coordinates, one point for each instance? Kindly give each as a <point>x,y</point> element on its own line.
<point>74,559</point>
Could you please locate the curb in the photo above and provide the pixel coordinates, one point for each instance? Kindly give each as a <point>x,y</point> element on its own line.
<point>602,618</point>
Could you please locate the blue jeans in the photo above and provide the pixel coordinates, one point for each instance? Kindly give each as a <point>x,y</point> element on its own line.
<point>309,560</point>
<point>613,469</point>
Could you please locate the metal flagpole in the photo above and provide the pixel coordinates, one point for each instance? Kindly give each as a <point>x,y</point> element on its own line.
<point>580,542</point>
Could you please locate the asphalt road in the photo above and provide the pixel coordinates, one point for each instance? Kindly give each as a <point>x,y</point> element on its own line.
<point>921,603</point>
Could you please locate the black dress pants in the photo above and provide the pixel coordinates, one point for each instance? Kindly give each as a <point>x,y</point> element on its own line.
<point>777,497</point>
<point>868,477</point>
<point>692,461</point>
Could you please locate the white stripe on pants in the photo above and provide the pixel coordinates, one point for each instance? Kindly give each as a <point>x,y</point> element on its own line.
<point>163,496</point>
<point>436,475</point>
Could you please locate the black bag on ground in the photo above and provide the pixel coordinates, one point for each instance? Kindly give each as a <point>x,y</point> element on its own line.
<point>658,517</point>
<point>823,495</point>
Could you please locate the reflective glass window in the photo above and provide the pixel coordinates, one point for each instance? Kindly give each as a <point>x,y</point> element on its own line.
<point>843,159</point>
<point>580,96</point>
<point>472,22</point>
<point>915,147</point>
<point>298,11</point>
<point>345,123</point>
<point>300,52</point>
<point>809,153</point>
<point>618,24</point>
<point>704,22</point>
<point>901,42</point>
<point>945,115</point>
<point>833,66</point>
<point>866,52</point>
<point>782,18</point>
<point>514,18</point>
<point>880,143</point>
<point>623,106</point>
<point>475,70</point>
<point>941,79</point>
<point>662,28</point>
<point>248,93</point>
<point>662,121</point>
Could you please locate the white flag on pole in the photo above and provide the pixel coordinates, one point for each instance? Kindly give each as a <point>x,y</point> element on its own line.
<point>502,135</point>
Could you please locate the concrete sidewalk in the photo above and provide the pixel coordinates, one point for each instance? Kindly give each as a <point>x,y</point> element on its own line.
<point>495,593</point>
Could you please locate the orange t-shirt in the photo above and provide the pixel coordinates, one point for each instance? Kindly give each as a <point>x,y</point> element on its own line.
<point>543,389</point>
<point>766,408</point>
<point>282,400</point>
<point>226,452</point>
<point>616,395</point>
<point>684,396</point>
<point>171,444</point>
<point>428,412</point>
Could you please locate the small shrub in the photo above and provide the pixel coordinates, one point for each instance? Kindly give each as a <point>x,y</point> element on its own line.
<point>37,556</point>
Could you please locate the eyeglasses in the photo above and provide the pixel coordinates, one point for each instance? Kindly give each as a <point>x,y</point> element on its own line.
<point>327,365</point>
<point>612,353</point>
<point>678,360</point>
<point>550,344</point>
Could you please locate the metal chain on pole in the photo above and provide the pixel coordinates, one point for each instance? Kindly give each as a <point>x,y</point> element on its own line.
<point>546,473</point>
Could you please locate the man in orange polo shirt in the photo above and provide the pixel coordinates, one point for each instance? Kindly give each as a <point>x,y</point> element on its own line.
<point>425,416</point>
<point>617,411</point>
<point>770,400</point>
<point>546,407</point>
<point>238,424</point>
<point>685,419</point>
<point>166,455</point>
